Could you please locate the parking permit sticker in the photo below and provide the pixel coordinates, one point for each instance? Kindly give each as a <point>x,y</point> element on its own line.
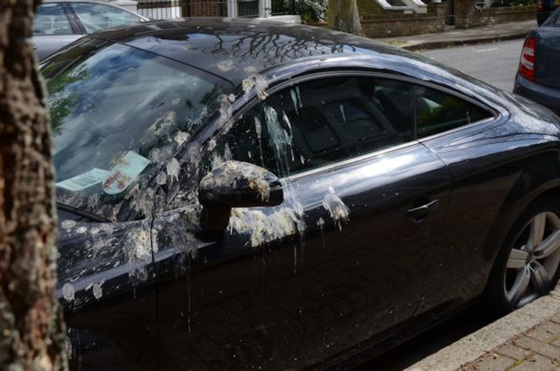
<point>83,181</point>
<point>124,173</point>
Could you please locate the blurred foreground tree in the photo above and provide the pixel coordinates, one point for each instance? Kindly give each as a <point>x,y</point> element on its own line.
<point>31,327</point>
<point>344,16</point>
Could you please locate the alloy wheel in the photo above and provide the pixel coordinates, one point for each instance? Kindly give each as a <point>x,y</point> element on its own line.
<point>533,260</point>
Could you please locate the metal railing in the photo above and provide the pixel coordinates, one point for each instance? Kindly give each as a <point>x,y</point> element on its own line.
<point>165,9</point>
<point>160,9</point>
<point>205,8</point>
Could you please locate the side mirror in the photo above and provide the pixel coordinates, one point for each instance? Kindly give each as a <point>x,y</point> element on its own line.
<point>235,184</point>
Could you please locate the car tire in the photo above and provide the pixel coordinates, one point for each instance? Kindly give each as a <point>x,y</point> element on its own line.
<point>527,265</point>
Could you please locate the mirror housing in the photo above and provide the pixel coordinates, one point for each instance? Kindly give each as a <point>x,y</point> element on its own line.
<point>235,184</point>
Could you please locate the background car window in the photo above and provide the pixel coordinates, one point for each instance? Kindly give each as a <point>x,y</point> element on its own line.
<point>438,112</point>
<point>51,19</point>
<point>323,121</point>
<point>556,20</point>
<point>97,17</point>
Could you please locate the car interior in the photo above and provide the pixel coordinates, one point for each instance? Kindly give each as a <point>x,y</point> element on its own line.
<point>51,20</point>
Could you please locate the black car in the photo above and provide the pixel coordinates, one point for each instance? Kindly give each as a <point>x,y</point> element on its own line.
<point>243,195</point>
<point>538,76</point>
<point>544,9</point>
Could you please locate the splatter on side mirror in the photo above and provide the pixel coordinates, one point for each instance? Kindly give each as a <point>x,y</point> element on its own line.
<point>236,184</point>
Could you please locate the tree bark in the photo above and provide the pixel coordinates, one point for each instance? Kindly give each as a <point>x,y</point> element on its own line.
<point>31,327</point>
<point>344,16</point>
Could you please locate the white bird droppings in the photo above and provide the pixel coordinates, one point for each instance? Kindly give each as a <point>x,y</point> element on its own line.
<point>97,291</point>
<point>173,168</point>
<point>68,292</point>
<point>336,208</point>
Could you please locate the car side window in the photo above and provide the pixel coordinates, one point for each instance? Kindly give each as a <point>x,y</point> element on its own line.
<point>51,19</point>
<point>97,17</point>
<point>556,20</point>
<point>323,121</point>
<point>437,112</point>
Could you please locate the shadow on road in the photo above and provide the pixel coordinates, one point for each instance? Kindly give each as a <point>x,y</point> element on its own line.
<point>430,341</point>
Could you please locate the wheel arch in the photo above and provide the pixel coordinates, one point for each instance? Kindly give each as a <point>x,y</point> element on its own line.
<point>516,203</point>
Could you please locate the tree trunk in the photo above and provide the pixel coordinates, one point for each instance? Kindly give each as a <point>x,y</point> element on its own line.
<point>31,328</point>
<point>343,16</point>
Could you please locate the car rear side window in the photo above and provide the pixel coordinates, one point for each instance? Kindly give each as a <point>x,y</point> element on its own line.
<point>323,121</point>
<point>554,20</point>
<point>51,19</point>
<point>97,17</point>
<point>438,111</point>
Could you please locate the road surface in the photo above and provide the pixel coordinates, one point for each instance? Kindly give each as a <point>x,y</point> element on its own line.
<point>494,63</point>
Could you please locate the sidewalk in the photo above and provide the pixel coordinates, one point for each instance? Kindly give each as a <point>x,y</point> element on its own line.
<point>454,37</point>
<point>527,339</point>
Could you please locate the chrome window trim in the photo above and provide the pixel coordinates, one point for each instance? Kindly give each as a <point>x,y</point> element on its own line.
<point>349,161</point>
<point>370,155</point>
<point>496,116</point>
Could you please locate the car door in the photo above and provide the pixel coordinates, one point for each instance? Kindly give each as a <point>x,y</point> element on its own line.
<point>109,299</point>
<point>340,262</point>
<point>53,29</point>
<point>468,137</point>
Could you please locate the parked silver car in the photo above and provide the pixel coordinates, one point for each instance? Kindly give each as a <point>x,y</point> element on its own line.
<point>58,23</point>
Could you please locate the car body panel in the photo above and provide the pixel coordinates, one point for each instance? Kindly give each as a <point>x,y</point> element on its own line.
<point>252,301</point>
<point>235,48</point>
<point>487,183</point>
<point>548,56</point>
<point>108,293</point>
<point>320,289</point>
<point>547,96</point>
<point>47,45</point>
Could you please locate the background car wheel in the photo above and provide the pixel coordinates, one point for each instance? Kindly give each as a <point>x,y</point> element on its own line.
<point>527,267</point>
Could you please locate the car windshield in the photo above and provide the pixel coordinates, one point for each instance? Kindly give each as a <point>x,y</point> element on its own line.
<point>117,115</point>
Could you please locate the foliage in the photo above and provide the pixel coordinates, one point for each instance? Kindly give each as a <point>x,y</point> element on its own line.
<point>63,104</point>
<point>311,10</point>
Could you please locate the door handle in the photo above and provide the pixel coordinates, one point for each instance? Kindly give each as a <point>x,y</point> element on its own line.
<point>418,213</point>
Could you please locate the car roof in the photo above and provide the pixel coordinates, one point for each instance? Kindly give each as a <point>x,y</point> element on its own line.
<point>236,48</point>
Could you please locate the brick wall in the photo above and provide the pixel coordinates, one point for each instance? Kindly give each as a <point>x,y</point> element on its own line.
<point>389,24</point>
<point>467,15</point>
<point>205,8</point>
<point>369,7</point>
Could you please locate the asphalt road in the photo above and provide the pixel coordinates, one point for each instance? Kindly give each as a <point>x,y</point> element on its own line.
<point>494,63</point>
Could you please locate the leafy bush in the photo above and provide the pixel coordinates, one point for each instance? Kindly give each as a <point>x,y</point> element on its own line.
<point>308,10</point>
<point>311,10</point>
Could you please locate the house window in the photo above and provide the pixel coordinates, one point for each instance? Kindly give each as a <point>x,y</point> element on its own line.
<point>283,7</point>
<point>248,8</point>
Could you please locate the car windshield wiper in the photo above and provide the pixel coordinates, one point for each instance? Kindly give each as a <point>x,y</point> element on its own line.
<point>79,212</point>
